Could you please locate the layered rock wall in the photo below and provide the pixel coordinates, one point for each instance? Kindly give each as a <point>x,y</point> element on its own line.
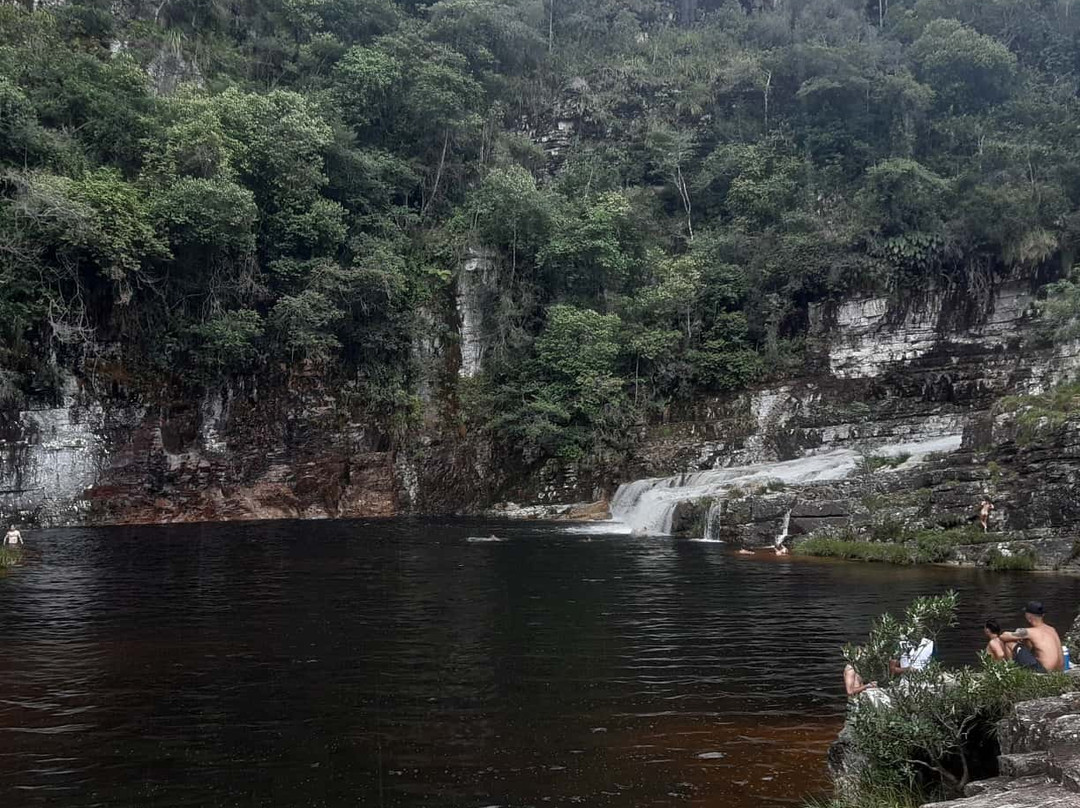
<point>876,377</point>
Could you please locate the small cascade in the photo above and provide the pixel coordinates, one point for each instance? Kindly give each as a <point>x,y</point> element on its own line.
<point>712,519</point>
<point>783,537</point>
<point>648,506</point>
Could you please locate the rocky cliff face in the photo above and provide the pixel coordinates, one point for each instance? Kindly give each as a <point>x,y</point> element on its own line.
<point>900,406</point>
<point>881,378</point>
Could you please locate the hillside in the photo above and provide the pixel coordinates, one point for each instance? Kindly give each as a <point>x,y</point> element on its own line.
<point>365,257</point>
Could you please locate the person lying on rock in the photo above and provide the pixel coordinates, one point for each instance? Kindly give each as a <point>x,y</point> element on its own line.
<point>13,538</point>
<point>1038,646</point>
<point>995,647</point>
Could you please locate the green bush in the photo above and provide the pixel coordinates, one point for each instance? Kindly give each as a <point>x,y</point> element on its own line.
<point>925,740</point>
<point>10,556</point>
<point>830,547</point>
<point>892,543</point>
<point>1024,561</point>
<point>872,463</point>
<point>887,529</point>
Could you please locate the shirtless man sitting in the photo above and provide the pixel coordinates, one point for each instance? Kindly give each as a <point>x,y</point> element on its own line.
<point>994,646</point>
<point>1038,646</point>
<point>853,683</point>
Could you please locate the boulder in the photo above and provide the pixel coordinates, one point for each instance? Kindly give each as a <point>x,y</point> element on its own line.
<point>997,785</point>
<point>1025,764</point>
<point>846,764</point>
<point>1026,729</point>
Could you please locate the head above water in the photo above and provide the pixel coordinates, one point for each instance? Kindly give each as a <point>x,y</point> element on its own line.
<point>992,628</point>
<point>1034,611</point>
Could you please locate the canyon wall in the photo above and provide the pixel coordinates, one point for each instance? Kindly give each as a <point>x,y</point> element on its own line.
<point>877,377</point>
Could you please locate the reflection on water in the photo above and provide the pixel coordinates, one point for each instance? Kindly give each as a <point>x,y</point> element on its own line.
<point>399,663</point>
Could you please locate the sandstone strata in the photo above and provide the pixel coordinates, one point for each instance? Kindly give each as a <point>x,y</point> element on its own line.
<point>295,444</point>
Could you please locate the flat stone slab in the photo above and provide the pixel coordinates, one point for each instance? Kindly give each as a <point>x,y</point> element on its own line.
<point>1038,796</point>
<point>1027,764</point>
<point>996,785</point>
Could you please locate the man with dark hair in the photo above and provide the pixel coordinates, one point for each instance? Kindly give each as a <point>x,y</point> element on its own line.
<point>1038,646</point>
<point>994,646</point>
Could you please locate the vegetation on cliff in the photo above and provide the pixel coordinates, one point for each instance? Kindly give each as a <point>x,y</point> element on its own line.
<point>900,545</point>
<point>275,186</point>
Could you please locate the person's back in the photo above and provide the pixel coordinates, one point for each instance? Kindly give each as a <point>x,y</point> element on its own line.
<point>1039,646</point>
<point>995,646</point>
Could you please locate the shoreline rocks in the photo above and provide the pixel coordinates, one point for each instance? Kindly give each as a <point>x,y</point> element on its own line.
<point>1038,764</point>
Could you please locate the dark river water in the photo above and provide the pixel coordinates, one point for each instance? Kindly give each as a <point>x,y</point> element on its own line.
<point>399,663</point>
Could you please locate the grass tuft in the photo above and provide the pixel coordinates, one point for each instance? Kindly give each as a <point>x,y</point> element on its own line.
<point>1023,561</point>
<point>10,556</point>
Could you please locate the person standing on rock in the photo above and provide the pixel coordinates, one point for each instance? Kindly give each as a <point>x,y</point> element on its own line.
<point>984,514</point>
<point>13,538</point>
<point>1038,647</point>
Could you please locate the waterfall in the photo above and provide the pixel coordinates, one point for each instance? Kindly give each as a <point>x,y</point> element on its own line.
<point>711,519</point>
<point>648,506</point>
<point>783,530</point>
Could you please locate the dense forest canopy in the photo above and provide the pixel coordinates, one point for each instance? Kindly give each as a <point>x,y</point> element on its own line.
<point>209,189</point>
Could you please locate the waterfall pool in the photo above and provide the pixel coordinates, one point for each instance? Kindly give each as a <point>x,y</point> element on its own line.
<point>398,663</point>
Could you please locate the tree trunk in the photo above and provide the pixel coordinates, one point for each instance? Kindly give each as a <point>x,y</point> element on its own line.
<point>551,25</point>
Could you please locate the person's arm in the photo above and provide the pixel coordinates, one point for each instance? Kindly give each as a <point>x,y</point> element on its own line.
<point>895,669</point>
<point>1018,635</point>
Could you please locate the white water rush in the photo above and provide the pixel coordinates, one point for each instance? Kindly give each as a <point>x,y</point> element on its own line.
<point>648,506</point>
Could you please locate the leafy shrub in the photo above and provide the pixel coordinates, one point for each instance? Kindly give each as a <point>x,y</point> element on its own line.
<point>925,740</point>
<point>1041,414</point>
<point>1024,561</point>
<point>830,547</point>
<point>887,529</point>
<point>871,463</point>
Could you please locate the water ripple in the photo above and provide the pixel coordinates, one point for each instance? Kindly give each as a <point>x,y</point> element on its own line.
<point>398,663</point>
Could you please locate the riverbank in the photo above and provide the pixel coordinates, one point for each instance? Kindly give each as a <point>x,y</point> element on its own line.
<point>10,556</point>
<point>1035,550</point>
